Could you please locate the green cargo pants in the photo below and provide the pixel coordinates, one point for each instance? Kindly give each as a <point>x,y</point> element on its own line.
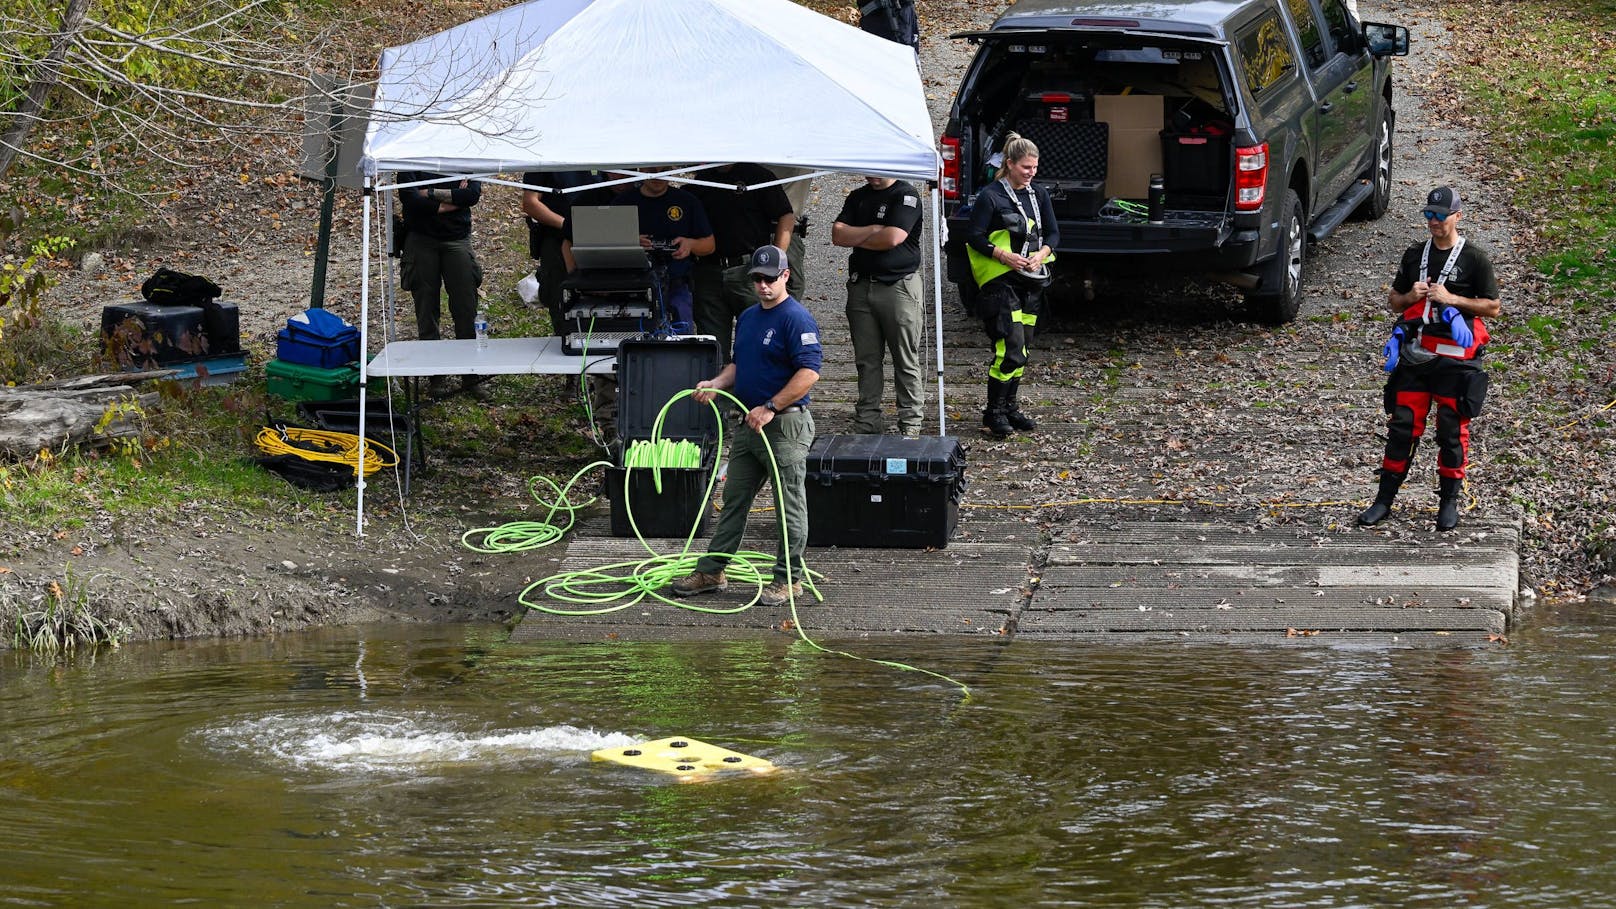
<point>432,266</point>
<point>883,319</point>
<point>790,434</point>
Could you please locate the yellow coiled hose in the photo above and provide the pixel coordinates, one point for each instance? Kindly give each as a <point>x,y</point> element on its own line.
<point>325,446</point>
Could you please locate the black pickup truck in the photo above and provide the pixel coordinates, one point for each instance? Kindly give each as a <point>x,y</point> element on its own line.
<point>1216,137</point>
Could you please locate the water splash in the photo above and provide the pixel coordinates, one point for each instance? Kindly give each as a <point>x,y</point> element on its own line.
<point>383,741</point>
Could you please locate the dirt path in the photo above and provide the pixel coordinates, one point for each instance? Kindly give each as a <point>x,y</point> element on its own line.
<point>1150,393</point>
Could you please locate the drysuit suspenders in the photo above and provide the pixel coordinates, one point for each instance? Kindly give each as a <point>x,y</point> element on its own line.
<point>986,268</point>
<point>1418,317</point>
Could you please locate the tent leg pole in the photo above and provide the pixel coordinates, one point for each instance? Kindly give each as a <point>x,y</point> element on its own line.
<point>937,301</point>
<point>364,349</point>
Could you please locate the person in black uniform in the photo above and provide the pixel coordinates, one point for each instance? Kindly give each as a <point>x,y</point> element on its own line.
<point>1010,242</point>
<point>547,213</point>
<point>894,20</point>
<point>438,256</point>
<point>880,222</point>
<point>741,222</point>
<point>1444,287</point>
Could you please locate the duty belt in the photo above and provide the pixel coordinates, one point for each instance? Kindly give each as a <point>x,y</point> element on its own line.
<point>728,261</point>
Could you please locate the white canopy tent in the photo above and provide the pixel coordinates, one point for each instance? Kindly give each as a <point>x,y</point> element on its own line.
<point>626,84</point>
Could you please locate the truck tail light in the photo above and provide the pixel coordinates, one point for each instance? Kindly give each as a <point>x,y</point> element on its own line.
<point>1250,177</point>
<point>949,179</point>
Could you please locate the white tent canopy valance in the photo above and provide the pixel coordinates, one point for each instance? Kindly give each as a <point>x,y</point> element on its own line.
<point>569,84</point>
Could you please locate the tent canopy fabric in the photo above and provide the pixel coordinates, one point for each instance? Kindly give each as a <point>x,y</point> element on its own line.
<point>570,84</point>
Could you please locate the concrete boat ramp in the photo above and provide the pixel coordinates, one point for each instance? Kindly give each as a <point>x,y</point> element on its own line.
<point>1115,579</point>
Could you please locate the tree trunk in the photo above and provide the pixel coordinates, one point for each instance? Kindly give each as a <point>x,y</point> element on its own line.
<point>39,88</point>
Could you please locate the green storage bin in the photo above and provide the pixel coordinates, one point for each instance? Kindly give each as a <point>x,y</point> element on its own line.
<point>297,382</point>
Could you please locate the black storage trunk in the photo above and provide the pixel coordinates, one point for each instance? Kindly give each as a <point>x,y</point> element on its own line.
<point>382,424</point>
<point>884,492</point>
<point>1069,149</point>
<point>1195,164</point>
<point>649,373</point>
<point>171,334</point>
<point>1075,199</point>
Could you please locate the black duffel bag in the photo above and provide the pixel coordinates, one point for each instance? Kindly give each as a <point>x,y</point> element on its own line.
<point>168,287</point>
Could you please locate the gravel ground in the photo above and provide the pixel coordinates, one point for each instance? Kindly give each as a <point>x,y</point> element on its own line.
<point>1161,392</point>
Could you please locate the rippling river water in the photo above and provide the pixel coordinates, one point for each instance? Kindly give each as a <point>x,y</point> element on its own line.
<point>446,767</point>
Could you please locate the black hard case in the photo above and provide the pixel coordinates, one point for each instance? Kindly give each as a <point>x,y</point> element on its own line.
<point>649,373</point>
<point>174,334</point>
<point>884,492</point>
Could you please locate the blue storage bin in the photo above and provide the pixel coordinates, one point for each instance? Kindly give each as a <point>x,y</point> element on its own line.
<point>316,337</point>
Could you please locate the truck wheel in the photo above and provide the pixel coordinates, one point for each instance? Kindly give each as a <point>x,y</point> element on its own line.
<point>1380,172</point>
<point>1279,286</point>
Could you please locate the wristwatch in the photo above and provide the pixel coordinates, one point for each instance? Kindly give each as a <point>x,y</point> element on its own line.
<point>769,405</point>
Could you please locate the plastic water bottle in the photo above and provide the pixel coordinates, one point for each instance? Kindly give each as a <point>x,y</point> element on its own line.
<point>482,330</point>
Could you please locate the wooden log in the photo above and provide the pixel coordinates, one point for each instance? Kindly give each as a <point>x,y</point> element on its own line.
<point>35,418</point>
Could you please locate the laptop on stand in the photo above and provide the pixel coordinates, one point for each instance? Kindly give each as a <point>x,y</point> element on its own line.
<point>610,295</point>
<point>607,237</point>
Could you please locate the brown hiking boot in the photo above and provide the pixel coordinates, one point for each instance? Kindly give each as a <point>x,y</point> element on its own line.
<point>779,594</point>
<point>699,582</point>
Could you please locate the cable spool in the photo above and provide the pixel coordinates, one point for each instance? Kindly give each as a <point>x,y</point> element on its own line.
<point>667,453</point>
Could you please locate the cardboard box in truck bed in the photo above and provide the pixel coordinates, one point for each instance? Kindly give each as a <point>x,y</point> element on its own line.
<point>1135,150</point>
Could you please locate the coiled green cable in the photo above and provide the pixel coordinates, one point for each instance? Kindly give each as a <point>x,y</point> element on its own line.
<point>605,588</point>
<point>520,536</point>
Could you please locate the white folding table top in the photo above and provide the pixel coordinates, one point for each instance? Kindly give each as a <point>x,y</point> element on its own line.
<point>502,356</point>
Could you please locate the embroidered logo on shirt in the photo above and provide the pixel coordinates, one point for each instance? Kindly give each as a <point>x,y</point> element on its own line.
<point>809,337</point>
<point>881,212</point>
<point>768,337</point>
<point>675,213</point>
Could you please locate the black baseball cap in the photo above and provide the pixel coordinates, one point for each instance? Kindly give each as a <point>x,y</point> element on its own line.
<point>768,261</point>
<point>1444,200</point>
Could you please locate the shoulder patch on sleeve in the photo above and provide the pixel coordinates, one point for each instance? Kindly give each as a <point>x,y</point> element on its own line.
<point>809,337</point>
<point>911,201</point>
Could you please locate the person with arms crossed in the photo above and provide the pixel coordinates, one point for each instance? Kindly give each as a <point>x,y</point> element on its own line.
<point>880,222</point>
<point>438,258</point>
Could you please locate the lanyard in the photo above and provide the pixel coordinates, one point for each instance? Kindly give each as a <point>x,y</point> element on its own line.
<point>1034,229</point>
<point>1442,276</point>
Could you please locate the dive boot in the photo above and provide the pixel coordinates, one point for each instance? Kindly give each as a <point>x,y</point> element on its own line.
<point>993,417</point>
<point>1382,506</point>
<point>1012,409</point>
<point>1447,508</point>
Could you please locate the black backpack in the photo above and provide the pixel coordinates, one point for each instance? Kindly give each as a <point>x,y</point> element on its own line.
<point>176,288</point>
<point>894,20</point>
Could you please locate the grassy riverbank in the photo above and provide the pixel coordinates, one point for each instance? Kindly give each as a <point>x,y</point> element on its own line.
<point>1533,82</point>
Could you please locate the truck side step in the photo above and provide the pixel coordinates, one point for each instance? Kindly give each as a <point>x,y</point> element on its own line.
<point>1331,218</point>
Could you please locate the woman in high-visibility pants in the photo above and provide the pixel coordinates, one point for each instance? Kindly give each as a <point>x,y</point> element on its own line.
<point>1011,241</point>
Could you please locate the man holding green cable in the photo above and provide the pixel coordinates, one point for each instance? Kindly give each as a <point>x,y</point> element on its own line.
<point>777,357</point>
